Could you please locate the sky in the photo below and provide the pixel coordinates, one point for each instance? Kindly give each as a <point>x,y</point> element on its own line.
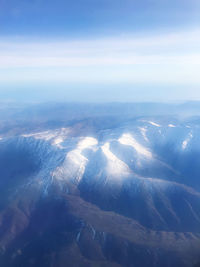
<point>100,50</point>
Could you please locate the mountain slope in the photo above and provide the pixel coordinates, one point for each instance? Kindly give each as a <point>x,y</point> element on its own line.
<point>81,196</point>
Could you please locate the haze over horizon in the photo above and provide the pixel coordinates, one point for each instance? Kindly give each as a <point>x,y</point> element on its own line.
<point>100,51</point>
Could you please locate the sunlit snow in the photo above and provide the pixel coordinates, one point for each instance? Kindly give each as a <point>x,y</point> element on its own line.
<point>129,140</point>
<point>56,137</point>
<point>115,166</point>
<point>143,132</point>
<point>75,163</point>
<point>154,124</point>
<point>186,141</point>
<point>87,142</point>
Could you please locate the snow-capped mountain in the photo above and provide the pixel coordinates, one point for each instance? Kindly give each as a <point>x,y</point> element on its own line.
<point>89,191</point>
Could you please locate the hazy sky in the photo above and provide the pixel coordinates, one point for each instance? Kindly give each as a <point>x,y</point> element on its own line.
<point>100,50</point>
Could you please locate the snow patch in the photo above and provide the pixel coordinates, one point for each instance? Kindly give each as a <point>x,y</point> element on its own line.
<point>154,123</point>
<point>143,132</point>
<point>75,163</point>
<point>78,237</point>
<point>58,141</point>
<point>115,166</point>
<point>56,137</point>
<point>186,141</point>
<point>171,126</point>
<point>87,143</point>
<point>129,140</point>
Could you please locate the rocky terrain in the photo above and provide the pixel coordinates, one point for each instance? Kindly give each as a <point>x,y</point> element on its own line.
<point>100,185</point>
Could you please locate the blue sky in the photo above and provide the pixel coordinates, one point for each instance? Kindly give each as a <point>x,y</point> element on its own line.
<point>100,50</point>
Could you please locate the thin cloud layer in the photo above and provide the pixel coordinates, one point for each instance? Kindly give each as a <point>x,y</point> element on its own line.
<point>166,58</point>
<point>176,48</point>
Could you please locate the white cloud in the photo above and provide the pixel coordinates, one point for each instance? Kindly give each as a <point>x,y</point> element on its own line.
<point>169,57</point>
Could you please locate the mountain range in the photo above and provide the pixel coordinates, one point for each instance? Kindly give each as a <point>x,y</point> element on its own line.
<point>100,185</point>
